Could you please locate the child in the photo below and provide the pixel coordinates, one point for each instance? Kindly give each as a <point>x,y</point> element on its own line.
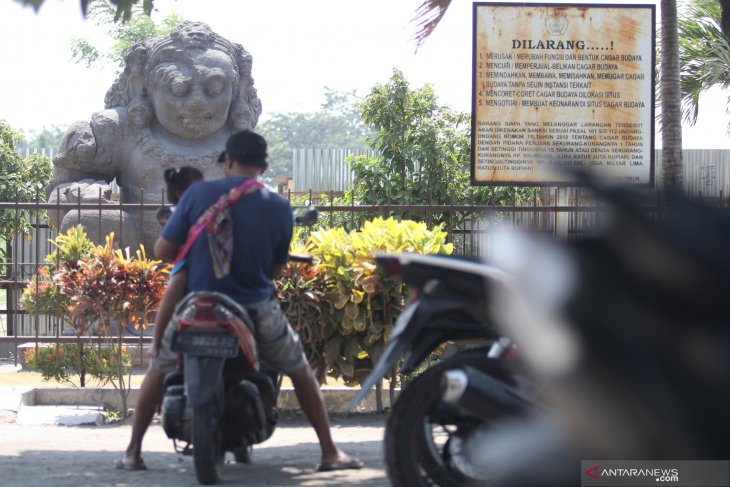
<point>177,180</point>
<point>163,214</point>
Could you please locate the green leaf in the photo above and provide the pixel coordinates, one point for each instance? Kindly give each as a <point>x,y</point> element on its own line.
<point>351,348</point>
<point>333,347</point>
<point>352,311</point>
<point>347,367</point>
<point>341,302</point>
<point>357,296</point>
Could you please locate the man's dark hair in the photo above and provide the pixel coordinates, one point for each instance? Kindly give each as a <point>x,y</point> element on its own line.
<point>246,148</point>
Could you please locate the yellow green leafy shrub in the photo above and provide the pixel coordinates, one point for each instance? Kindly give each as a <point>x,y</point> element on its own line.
<point>362,301</point>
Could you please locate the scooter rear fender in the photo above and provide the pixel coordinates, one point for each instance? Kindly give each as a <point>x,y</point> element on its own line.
<point>203,376</point>
<point>410,329</point>
<point>434,334</point>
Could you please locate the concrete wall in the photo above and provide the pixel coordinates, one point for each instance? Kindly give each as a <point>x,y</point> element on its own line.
<point>336,399</point>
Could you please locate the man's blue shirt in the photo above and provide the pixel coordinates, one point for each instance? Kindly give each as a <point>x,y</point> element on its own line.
<point>262,231</point>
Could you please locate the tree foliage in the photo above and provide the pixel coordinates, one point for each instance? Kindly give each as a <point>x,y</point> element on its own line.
<point>123,9</point>
<point>427,17</point>
<point>59,363</point>
<point>22,180</point>
<point>336,124</point>
<point>46,138</point>
<point>137,28</point>
<point>424,150</point>
<point>704,54</point>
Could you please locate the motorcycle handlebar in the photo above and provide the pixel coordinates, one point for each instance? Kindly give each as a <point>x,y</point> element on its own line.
<point>306,216</point>
<point>305,259</point>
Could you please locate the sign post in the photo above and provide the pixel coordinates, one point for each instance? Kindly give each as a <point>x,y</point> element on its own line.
<point>562,85</point>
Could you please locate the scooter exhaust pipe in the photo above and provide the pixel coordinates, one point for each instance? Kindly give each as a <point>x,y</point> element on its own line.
<point>479,394</point>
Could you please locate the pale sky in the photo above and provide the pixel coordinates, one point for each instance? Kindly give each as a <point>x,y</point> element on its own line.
<point>297,47</point>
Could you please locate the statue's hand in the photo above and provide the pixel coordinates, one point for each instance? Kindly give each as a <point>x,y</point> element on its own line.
<point>78,147</point>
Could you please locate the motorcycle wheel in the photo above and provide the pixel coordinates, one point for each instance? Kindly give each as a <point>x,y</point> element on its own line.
<point>421,425</point>
<point>207,453</point>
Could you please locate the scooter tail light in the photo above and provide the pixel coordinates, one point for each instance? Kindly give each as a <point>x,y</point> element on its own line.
<point>199,313</point>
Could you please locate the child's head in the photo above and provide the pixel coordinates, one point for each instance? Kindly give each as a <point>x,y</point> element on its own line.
<point>163,214</point>
<point>178,179</point>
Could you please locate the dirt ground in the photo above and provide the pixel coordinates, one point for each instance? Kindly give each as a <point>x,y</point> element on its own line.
<point>83,456</point>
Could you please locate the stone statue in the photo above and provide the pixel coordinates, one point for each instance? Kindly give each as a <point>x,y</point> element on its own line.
<point>176,102</point>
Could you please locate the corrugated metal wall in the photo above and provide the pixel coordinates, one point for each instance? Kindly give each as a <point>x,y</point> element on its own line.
<point>324,169</point>
<point>706,171</point>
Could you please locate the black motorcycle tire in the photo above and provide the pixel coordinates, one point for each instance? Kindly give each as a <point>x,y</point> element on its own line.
<point>207,454</point>
<point>409,461</point>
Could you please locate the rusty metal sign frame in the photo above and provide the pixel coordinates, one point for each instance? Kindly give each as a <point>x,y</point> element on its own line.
<point>474,119</point>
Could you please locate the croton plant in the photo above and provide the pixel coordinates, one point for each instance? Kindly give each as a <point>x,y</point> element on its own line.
<point>344,305</point>
<point>85,284</point>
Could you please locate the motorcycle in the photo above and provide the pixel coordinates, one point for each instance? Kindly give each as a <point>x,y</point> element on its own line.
<point>630,345</point>
<point>221,399</point>
<point>448,303</point>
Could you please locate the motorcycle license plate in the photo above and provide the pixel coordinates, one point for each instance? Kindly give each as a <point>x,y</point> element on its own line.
<point>205,344</point>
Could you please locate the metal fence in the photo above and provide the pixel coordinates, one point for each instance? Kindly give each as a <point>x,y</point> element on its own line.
<point>556,212</point>
<point>25,255</point>
<point>566,213</point>
<point>25,151</point>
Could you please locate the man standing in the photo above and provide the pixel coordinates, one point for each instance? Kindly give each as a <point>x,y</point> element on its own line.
<point>261,227</point>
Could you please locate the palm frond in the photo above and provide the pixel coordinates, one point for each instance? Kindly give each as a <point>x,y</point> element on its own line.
<point>427,17</point>
<point>704,54</point>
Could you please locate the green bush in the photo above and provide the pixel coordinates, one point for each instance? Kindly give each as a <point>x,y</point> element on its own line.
<point>84,284</point>
<point>44,295</point>
<point>344,307</point>
<point>61,362</point>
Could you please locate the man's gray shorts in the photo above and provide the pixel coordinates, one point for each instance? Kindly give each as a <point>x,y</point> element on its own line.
<point>278,344</point>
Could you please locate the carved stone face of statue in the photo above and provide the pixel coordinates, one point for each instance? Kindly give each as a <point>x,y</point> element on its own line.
<point>178,99</point>
<point>192,95</point>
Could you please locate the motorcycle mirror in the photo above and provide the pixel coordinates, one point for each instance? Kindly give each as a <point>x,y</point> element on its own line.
<point>306,216</point>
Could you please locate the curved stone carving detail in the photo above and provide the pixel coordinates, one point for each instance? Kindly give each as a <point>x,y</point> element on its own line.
<point>178,99</point>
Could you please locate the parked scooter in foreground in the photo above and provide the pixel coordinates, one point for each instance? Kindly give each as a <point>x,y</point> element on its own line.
<point>631,344</point>
<point>449,302</point>
<point>221,399</point>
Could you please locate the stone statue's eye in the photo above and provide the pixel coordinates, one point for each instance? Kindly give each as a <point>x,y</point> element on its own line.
<point>179,87</point>
<point>214,86</point>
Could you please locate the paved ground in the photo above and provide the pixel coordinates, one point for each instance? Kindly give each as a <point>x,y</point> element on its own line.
<point>83,456</point>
